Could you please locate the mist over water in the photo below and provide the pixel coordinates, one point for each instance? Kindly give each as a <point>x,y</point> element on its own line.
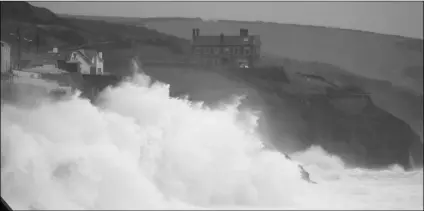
<point>140,149</point>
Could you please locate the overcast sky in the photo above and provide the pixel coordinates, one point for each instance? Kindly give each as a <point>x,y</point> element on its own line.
<point>398,18</point>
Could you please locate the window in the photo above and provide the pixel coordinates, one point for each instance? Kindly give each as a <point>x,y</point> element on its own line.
<point>216,50</point>
<point>227,50</point>
<point>217,62</point>
<point>197,50</point>
<point>238,51</point>
<point>246,51</point>
<point>206,50</point>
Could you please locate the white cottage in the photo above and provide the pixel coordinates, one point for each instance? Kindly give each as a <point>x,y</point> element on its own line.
<point>90,61</point>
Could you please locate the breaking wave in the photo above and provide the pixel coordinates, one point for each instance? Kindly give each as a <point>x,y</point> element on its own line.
<point>140,149</point>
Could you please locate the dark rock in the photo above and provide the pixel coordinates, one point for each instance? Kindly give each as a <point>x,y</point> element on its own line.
<point>58,94</point>
<point>304,174</point>
<point>359,132</point>
<point>94,84</point>
<point>342,119</point>
<point>270,73</point>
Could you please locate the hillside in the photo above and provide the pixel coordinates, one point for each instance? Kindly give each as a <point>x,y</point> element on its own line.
<point>22,11</point>
<point>377,56</point>
<point>71,32</point>
<point>124,20</point>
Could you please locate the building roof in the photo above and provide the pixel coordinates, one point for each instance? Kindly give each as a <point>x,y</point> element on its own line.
<point>24,63</point>
<point>4,44</point>
<point>30,60</point>
<point>48,70</point>
<point>232,40</point>
<point>43,60</point>
<point>87,54</point>
<point>44,56</point>
<point>90,54</point>
<point>65,79</point>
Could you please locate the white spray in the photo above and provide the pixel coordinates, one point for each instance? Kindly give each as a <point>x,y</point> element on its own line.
<point>141,149</point>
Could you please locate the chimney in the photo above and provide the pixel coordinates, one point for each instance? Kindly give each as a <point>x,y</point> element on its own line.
<point>244,32</point>
<point>55,50</point>
<point>221,38</point>
<point>100,55</point>
<point>193,36</point>
<point>197,32</point>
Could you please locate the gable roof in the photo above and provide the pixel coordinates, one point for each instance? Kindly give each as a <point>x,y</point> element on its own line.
<point>86,54</point>
<point>90,54</point>
<point>232,40</point>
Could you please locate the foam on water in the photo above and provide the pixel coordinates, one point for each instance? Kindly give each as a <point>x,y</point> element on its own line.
<point>141,149</point>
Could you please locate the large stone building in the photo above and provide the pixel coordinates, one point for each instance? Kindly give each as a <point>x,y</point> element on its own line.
<point>5,57</point>
<point>241,50</point>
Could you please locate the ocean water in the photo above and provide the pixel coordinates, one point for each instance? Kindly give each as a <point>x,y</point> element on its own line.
<point>141,149</point>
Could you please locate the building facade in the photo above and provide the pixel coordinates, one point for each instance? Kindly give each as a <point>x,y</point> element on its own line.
<point>82,60</point>
<point>241,50</point>
<point>5,57</point>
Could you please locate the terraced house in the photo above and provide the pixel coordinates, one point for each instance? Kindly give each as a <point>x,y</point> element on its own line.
<point>84,61</point>
<point>241,50</point>
<point>5,57</point>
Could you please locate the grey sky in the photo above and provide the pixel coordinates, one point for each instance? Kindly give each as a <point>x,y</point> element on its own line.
<point>398,18</point>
